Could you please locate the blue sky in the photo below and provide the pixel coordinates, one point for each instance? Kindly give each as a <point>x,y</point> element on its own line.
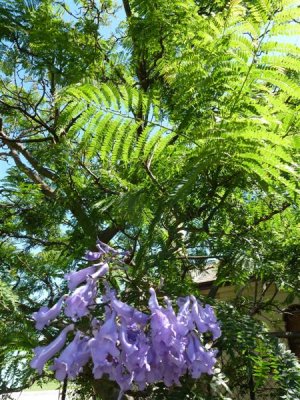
<point>3,169</point>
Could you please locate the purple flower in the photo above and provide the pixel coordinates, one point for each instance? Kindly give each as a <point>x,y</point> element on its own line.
<point>181,323</point>
<point>197,316</point>
<point>128,313</point>
<point>135,346</point>
<point>105,248</point>
<point>77,277</point>
<point>128,342</point>
<point>168,342</point>
<point>211,320</point>
<point>104,268</point>
<point>93,255</point>
<point>153,302</point>
<point>45,315</point>
<point>199,359</point>
<point>123,377</point>
<point>184,314</point>
<point>131,347</point>
<point>72,359</point>
<point>104,347</point>
<point>162,329</point>
<point>43,354</point>
<point>78,303</point>
<point>205,319</point>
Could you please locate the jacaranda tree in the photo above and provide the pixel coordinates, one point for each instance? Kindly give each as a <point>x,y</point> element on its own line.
<point>168,129</point>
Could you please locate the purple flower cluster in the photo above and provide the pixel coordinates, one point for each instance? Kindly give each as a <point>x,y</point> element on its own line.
<point>132,347</point>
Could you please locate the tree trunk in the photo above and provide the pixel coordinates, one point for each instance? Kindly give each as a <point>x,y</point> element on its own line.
<point>108,390</point>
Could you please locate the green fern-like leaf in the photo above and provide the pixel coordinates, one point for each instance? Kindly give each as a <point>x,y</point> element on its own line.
<point>106,124</point>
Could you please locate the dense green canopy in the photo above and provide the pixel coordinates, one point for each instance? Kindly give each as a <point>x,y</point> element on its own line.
<point>171,129</point>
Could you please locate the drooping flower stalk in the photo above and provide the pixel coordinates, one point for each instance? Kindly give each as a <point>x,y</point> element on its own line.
<point>128,345</point>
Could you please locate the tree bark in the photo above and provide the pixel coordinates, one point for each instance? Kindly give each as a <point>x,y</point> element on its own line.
<point>108,390</point>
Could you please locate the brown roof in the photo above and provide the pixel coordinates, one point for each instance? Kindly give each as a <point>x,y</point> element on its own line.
<point>206,277</point>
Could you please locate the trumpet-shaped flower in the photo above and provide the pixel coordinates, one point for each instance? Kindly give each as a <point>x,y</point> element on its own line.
<point>199,359</point>
<point>128,313</point>
<point>45,315</point>
<point>105,248</point>
<point>72,359</point>
<point>205,319</point>
<point>104,348</point>
<point>75,278</point>
<point>102,270</point>
<point>43,354</point>
<point>78,303</point>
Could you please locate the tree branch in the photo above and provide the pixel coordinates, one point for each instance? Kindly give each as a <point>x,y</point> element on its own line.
<point>33,175</point>
<point>198,257</point>
<point>97,179</point>
<point>266,217</point>
<point>37,140</point>
<point>39,121</point>
<point>33,239</point>
<point>127,8</point>
<point>284,335</point>
<point>215,209</point>
<point>16,147</point>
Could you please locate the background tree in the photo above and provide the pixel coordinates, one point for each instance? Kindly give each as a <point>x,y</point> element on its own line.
<point>174,136</point>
